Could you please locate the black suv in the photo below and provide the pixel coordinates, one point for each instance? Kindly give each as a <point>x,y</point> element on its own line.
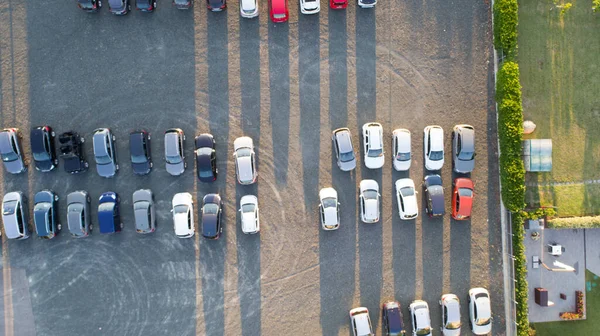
<point>89,5</point>
<point>71,151</point>
<point>43,148</point>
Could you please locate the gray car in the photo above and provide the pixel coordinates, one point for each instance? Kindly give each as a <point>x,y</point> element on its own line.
<point>78,214</point>
<point>463,148</point>
<point>143,211</point>
<point>174,151</point>
<point>105,153</point>
<point>344,152</point>
<point>11,151</point>
<point>15,215</point>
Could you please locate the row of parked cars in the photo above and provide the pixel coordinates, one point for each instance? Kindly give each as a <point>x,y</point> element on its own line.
<point>278,9</point>
<point>15,214</point>
<point>480,316</point>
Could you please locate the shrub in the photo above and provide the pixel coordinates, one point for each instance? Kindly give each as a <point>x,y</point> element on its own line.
<point>578,313</point>
<point>506,18</point>
<point>595,5</point>
<point>521,288</point>
<point>539,213</point>
<point>575,222</point>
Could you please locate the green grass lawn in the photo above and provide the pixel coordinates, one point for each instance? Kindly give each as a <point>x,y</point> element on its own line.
<point>569,200</point>
<point>559,59</point>
<point>590,326</point>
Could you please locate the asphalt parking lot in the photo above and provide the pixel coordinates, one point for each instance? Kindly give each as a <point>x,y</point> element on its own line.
<point>404,64</point>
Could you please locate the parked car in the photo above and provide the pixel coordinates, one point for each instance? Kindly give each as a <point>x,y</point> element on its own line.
<point>43,148</point>
<point>450,315</point>
<point>245,162</point>
<point>11,151</point>
<point>105,153</point>
<point>109,214</point>
<point>367,3</point>
<point>433,145</point>
<point>278,9</point>
<point>45,214</point>
<point>401,144</point>
<point>329,209</point>
<point>72,153</point>
<point>392,324</point>
<point>211,216</point>
<point>361,322</point>
<point>206,158</point>
<point>421,322</point>
<point>89,5</point>
<point>480,311</point>
<point>216,5</point>
<point>119,7</point>
<point>78,214</point>
<point>463,148</point>
<point>249,214</point>
<point>174,151</point>
<point>310,6</point>
<point>15,215</point>
<point>369,201</point>
<point>139,149</point>
<point>183,4</point>
<point>373,145</point>
<point>183,215</point>
<point>406,196</point>
<point>249,8</point>
<point>434,195</point>
<point>338,4</point>
<point>145,5</point>
<point>462,198</point>
<point>344,152</point>
<point>143,211</point>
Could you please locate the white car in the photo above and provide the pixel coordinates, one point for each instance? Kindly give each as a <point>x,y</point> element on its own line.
<point>15,215</point>
<point>367,3</point>
<point>248,8</point>
<point>421,322</point>
<point>406,195</point>
<point>183,215</point>
<point>433,146</point>
<point>310,6</point>
<point>329,209</point>
<point>249,214</point>
<point>245,162</point>
<point>369,201</point>
<point>401,149</point>
<point>373,145</point>
<point>450,315</point>
<point>480,311</point>
<point>361,322</point>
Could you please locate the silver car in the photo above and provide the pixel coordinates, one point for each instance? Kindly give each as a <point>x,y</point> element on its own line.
<point>78,214</point>
<point>15,215</point>
<point>174,151</point>
<point>245,162</point>
<point>450,315</point>
<point>344,152</point>
<point>143,211</point>
<point>105,153</point>
<point>11,151</point>
<point>463,148</point>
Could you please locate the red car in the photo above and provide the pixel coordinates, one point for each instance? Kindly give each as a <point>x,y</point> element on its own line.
<point>462,198</point>
<point>278,9</point>
<point>338,4</point>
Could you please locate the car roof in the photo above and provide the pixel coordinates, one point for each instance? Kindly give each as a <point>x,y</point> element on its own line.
<point>375,140</point>
<point>36,139</point>
<point>362,324</point>
<point>172,143</point>
<point>422,315</point>
<point>39,214</point>
<point>106,216</point>
<point>204,140</point>
<point>394,319</point>
<point>5,145</point>
<point>181,224</point>
<point>436,134</point>
<point>9,217</point>
<point>209,224</point>
<point>141,217</point>
<point>330,215</point>
<point>248,221</point>
<point>344,140</point>
<point>453,310</point>
<point>245,168</point>
<point>371,208</point>
<point>403,136</point>
<point>468,139</point>
<point>99,143</point>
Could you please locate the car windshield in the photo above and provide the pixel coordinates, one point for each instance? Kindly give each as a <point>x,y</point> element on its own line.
<point>173,159</point>
<point>180,209</point>
<point>244,152</point>
<point>138,159</point>
<point>465,192</point>
<point>41,156</point>
<point>141,205</point>
<point>370,194</point>
<point>453,325</point>
<point>466,156</point>
<point>329,202</point>
<point>346,157</point>
<point>403,156</point>
<point>10,156</point>
<point>424,331</point>
<point>375,152</point>
<point>86,4</point>
<point>103,159</point>
<point>436,155</point>
<point>248,208</point>
<point>407,191</point>
<point>142,4</point>
<point>9,207</point>
<point>210,209</point>
<point>279,16</point>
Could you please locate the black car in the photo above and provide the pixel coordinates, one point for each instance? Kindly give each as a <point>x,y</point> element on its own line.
<point>119,7</point>
<point>216,5</point>
<point>206,158</point>
<point>89,5</point>
<point>43,148</point>
<point>139,147</point>
<point>434,195</point>
<point>211,216</point>
<point>392,319</point>
<point>145,5</point>
<point>45,214</point>
<point>183,4</point>
<point>71,151</point>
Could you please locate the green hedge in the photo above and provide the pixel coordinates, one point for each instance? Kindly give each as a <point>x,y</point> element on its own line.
<point>575,222</point>
<point>521,288</point>
<point>506,18</point>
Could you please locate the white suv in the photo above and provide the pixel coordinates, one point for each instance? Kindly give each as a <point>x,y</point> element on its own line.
<point>369,201</point>
<point>421,322</point>
<point>361,322</point>
<point>433,146</point>
<point>480,311</point>
<point>373,145</point>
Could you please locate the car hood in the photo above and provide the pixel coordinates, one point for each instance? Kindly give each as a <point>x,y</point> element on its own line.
<point>76,197</point>
<point>106,170</point>
<point>374,162</point>
<point>43,196</point>
<point>142,195</point>
<point>311,5</point>
<point>433,165</point>
<point>14,167</point>
<point>402,165</point>
<point>242,142</point>
<point>461,166</point>
<point>175,169</point>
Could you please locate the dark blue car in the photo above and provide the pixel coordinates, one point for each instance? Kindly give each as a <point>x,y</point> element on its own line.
<point>109,216</point>
<point>45,214</point>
